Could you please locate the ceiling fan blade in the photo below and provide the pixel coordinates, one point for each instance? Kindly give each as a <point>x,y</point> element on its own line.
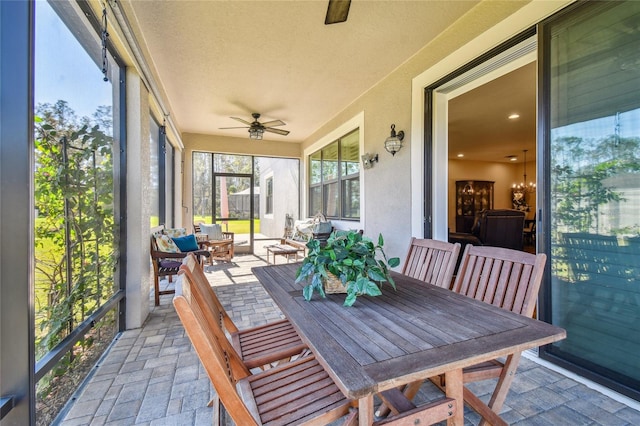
<point>241,120</point>
<point>225,128</point>
<point>274,123</point>
<point>338,11</point>
<point>277,131</point>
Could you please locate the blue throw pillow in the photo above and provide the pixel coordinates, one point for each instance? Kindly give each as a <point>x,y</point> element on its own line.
<point>186,243</point>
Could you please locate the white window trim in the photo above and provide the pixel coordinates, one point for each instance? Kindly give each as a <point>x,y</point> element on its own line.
<point>356,122</point>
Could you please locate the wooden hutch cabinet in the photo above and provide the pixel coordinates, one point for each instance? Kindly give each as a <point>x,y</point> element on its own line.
<point>472,196</point>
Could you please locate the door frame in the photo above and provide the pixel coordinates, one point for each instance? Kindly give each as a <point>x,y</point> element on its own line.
<point>216,218</point>
<point>431,204</point>
<point>17,358</point>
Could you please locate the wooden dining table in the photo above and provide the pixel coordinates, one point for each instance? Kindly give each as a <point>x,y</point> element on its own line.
<point>412,333</point>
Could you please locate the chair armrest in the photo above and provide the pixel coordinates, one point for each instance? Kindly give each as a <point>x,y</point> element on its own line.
<point>167,255</point>
<point>181,255</point>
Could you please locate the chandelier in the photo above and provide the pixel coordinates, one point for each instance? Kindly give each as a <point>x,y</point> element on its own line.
<point>524,187</point>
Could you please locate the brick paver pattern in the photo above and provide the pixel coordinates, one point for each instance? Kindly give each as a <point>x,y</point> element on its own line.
<point>151,376</point>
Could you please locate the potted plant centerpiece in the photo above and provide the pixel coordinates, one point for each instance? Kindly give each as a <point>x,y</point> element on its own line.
<point>350,258</point>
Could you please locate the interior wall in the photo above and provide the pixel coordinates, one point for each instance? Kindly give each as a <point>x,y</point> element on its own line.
<point>503,174</point>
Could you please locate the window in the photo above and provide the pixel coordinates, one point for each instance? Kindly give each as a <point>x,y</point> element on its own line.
<point>76,195</point>
<point>269,196</point>
<point>334,179</point>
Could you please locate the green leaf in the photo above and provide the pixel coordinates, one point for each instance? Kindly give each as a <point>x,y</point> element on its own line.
<point>349,300</point>
<point>372,289</point>
<point>394,261</point>
<point>376,274</point>
<point>380,240</point>
<point>307,292</point>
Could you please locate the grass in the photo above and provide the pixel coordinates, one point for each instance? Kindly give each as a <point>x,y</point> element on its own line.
<point>235,226</point>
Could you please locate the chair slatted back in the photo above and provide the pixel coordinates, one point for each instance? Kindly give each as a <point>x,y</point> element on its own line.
<point>509,279</point>
<point>431,261</point>
<point>204,295</point>
<point>213,357</point>
<point>196,275</point>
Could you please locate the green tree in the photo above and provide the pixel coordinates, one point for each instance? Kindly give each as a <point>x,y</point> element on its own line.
<point>75,230</point>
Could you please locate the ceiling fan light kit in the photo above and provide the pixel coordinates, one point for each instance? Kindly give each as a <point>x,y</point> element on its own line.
<point>255,133</point>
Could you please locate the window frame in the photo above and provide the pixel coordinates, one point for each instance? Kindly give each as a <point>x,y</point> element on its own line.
<point>268,197</point>
<point>350,124</point>
<point>339,180</point>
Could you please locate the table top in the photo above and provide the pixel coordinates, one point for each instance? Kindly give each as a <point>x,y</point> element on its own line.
<point>416,332</point>
<point>283,248</point>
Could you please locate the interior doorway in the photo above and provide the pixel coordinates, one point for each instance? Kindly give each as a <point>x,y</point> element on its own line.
<point>470,114</point>
<point>492,152</point>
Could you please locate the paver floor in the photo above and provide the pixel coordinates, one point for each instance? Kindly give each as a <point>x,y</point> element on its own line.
<point>151,376</point>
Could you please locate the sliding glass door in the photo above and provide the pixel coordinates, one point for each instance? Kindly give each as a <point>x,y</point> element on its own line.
<point>592,83</point>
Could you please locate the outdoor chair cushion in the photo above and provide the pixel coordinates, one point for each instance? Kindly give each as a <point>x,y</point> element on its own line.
<point>213,231</point>
<point>186,243</point>
<point>175,232</point>
<point>165,243</point>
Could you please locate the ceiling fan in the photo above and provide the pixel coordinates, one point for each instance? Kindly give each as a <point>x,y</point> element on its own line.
<point>256,129</point>
<point>337,11</point>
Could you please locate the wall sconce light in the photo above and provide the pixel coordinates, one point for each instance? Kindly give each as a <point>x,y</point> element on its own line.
<point>368,160</point>
<point>394,142</point>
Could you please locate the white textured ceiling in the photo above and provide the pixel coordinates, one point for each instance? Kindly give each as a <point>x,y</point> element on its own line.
<point>217,59</point>
<point>479,126</point>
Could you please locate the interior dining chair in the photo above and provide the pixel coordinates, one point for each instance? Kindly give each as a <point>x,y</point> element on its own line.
<point>509,279</point>
<point>299,392</point>
<point>530,231</point>
<point>431,261</point>
<point>263,346</point>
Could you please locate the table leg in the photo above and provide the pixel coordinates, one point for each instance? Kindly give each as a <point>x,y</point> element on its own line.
<point>504,383</point>
<point>365,411</point>
<point>454,389</point>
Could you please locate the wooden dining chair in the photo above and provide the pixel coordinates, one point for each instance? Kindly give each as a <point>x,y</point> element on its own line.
<point>434,262</point>
<point>509,279</point>
<point>431,261</point>
<point>263,346</point>
<point>299,392</point>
